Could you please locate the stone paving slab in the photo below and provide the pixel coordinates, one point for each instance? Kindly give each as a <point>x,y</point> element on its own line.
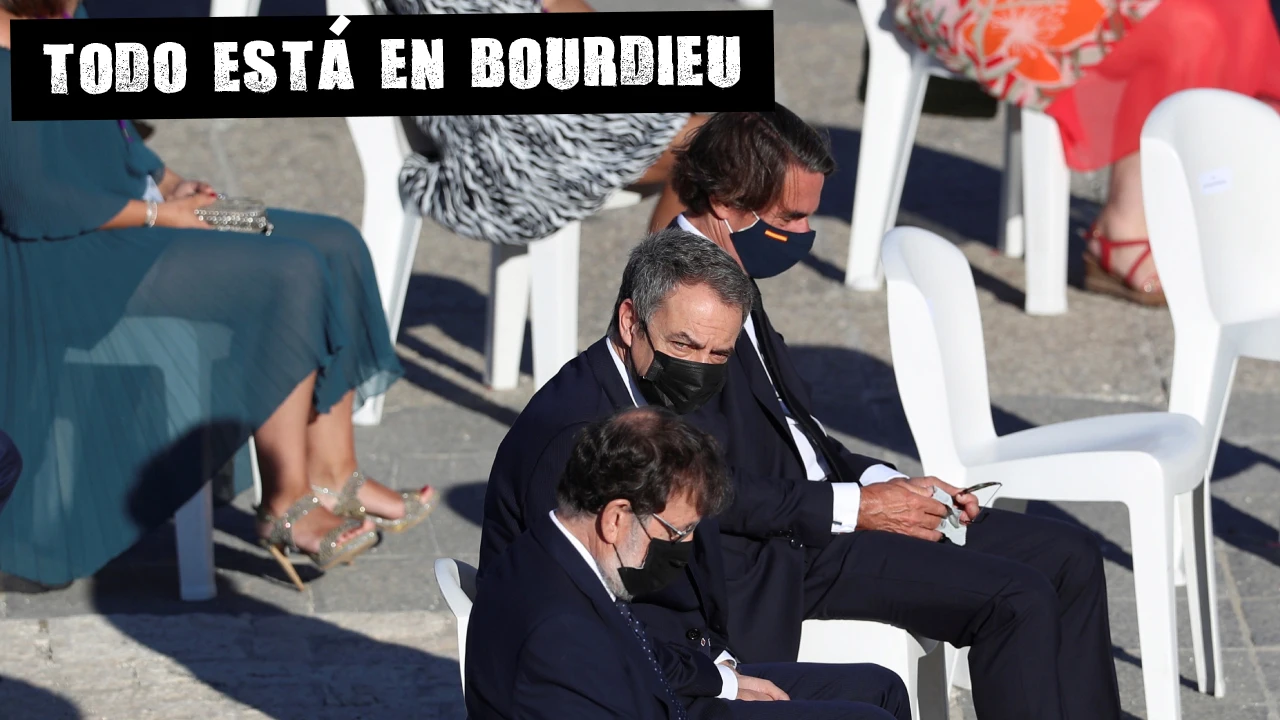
<point>376,641</point>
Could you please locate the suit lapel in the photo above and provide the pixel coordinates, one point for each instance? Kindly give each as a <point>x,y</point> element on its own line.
<point>600,360</point>
<point>584,577</point>
<point>748,358</point>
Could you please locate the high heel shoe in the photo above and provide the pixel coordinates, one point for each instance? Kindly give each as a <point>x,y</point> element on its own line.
<point>280,542</point>
<point>349,505</point>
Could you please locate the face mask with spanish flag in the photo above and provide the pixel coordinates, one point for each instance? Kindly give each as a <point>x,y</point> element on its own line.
<point>766,251</point>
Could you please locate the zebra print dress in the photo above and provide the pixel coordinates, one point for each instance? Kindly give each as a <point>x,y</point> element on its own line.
<point>513,179</point>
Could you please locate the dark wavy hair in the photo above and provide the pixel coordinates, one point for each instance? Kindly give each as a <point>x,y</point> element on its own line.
<point>646,456</point>
<point>741,159</point>
<point>38,8</point>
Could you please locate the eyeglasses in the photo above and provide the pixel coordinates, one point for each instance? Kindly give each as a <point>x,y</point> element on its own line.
<point>680,534</point>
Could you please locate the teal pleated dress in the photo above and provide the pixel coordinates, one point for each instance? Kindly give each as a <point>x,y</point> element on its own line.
<point>134,363</point>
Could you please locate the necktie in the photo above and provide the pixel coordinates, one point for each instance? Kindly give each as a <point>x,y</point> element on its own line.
<point>808,426</point>
<point>642,635</point>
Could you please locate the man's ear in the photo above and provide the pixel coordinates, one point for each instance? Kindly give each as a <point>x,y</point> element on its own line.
<point>610,520</point>
<point>627,322</point>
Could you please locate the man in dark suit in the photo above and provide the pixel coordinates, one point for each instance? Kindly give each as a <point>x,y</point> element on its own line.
<point>679,310</point>
<point>819,532</point>
<point>553,632</point>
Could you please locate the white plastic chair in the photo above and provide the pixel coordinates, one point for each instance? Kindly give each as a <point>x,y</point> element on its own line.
<point>457,582</point>
<point>200,346</point>
<point>1144,460</point>
<point>918,661</point>
<point>1035,199</point>
<point>1210,179</point>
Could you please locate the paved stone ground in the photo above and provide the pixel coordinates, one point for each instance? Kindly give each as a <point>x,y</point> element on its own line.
<point>375,640</point>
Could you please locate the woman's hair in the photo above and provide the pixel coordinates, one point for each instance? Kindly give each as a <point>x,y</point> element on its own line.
<point>37,8</point>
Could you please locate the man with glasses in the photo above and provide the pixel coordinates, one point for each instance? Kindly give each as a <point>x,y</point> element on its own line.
<point>679,310</point>
<point>554,631</point>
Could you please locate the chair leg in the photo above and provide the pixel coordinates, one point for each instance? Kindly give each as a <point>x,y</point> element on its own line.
<point>553,267</point>
<point>507,313</point>
<point>1199,567</point>
<point>896,83</point>
<point>193,526</point>
<point>933,694</point>
<point>1046,198</point>
<point>1012,237</point>
<point>408,229</point>
<point>1203,373</point>
<point>257,472</point>
<point>1151,530</point>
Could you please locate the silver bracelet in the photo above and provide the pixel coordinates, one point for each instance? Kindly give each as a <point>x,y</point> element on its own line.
<point>153,211</point>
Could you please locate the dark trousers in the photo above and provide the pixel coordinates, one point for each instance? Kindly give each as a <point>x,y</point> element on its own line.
<point>818,691</point>
<point>1027,596</point>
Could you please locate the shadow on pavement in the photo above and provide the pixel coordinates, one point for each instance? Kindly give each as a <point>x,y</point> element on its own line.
<point>953,196</point>
<point>458,310</point>
<point>28,702</point>
<point>468,501</point>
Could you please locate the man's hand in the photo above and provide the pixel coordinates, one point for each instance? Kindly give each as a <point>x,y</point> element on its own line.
<point>968,503</point>
<point>903,507</point>
<point>754,688</point>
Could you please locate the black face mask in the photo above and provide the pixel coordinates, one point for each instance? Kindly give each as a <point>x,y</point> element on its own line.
<point>680,385</point>
<point>663,563</point>
<point>766,251</point>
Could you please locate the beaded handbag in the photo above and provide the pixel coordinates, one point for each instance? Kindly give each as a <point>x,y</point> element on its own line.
<point>237,214</point>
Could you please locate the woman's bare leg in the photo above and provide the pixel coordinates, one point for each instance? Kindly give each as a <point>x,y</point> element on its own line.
<point>282,457</point>
<point>669,205</point>
<point>1124,218</point>
<point>331,459</point>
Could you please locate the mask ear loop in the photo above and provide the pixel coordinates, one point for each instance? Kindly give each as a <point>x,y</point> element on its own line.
<point>729,227</point>
<point>643,561</point>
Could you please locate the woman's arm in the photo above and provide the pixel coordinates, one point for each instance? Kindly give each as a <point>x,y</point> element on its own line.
<point>172,214</point>
<point>169,182</point>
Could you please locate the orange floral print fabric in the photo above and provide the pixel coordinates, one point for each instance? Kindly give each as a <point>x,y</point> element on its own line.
<point>1022,51</point>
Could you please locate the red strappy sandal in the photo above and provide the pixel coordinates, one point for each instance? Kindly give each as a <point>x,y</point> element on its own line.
<point>1100,278</point>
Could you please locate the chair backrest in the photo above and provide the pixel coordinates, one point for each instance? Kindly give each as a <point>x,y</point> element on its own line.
<point>936,340</point>
<point>457,582</point>
<point>1210,182</point>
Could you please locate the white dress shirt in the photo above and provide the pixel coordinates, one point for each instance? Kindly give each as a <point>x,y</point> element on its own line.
<point>847,497</point>
<point>728,691</point>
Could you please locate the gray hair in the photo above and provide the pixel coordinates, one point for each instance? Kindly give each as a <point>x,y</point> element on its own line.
<point>669,258</point>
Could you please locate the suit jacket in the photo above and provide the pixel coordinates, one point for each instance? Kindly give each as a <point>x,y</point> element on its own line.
<point>546,641</point>
<point>778,516</point>
<point>689,615</point>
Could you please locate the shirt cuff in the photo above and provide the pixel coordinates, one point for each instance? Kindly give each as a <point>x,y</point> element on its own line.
<point>845,500</point>
<point>879,473</point>
<point>729,689</point>
<point>847,497</point>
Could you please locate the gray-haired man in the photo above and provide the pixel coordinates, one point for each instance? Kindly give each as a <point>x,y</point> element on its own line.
<point>680,308</point>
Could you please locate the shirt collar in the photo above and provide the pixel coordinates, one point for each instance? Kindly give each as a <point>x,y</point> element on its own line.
<point>582,550</point>
<point>688,226</point>
<point>637,398</point>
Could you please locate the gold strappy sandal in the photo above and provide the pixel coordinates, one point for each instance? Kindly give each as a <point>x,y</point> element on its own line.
<point>349,505</point>
<point>279,539</point>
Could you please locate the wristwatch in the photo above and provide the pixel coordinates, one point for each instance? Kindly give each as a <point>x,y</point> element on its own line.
<point>153,210</point>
